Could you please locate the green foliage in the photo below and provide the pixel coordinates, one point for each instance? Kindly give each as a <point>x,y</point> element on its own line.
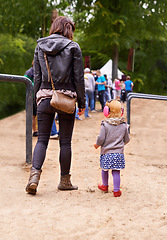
<point>32,18</point>
<point>20,20</point>
<point>12,98</point>
<point>137,24</point>
<point>151,61</point>
<point>138,84</point>
<point>16,53</point>
<point>16,57</point>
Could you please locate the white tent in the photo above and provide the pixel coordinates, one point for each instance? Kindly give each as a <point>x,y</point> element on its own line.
<point>107,69</point>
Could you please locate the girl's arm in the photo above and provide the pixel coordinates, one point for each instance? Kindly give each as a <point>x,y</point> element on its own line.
<point>101,136</point>
<point>126,137</point>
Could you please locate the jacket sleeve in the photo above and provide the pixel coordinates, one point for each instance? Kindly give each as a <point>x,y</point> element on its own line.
<point>101,136</point>
<point>126,136</point>
<point>37,72</point>
<point>78,76</point>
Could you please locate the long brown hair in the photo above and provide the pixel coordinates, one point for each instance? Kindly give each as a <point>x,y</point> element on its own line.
<point>63,26</point>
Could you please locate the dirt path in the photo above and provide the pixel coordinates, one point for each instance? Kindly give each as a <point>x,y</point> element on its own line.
<point>87,214</point>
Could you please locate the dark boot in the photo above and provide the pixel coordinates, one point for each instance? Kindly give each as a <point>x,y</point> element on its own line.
<point>31,187</point>
<point>65,183</point>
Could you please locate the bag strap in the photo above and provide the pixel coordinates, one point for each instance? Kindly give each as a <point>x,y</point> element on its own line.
<point>49,72</point>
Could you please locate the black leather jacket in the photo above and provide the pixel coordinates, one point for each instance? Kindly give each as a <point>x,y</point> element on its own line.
<point>65,61</point>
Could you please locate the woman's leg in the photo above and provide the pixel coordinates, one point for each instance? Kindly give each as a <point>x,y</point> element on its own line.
<point>116,180</point>
<point>45,115</point>
<point>66,124</point>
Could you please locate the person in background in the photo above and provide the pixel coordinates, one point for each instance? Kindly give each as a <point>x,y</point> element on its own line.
<point>101,82</point>
<point>54,134</point>
<point>113,90</point>
<point>96,89</point>
<point>123,95</point>
<point>112,138</point>
<point>118,88</point>
<point>30,75</point>
<point>128,85</point>
<point>89,91</point>
<point>65,60</point>
<point>77,109</point>
<point>108,86</point>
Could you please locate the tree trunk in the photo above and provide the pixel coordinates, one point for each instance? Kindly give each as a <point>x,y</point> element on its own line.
<point>43,27</point>
<point>115,62</point>
<point>55,14</point>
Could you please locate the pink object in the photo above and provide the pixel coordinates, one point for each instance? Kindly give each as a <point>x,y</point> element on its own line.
<point>117,85</point>
<point>106,111</point>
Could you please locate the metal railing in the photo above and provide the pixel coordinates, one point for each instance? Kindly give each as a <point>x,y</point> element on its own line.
<point>143,96</point>
<point>29,109</point>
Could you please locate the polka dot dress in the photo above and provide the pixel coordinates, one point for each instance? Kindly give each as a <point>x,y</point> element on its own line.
<point>112,161</point>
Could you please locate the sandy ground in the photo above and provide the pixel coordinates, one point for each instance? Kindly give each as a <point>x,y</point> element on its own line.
<point>141,211</point>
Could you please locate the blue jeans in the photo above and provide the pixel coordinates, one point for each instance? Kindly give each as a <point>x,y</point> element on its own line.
<point>54,129</point>
<point>76,114</point>
<point>107,96</point>
<point>45,116</point>
<point>89,99</point>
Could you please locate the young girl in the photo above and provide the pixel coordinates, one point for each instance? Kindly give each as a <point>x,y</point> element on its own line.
<point>112,138</point>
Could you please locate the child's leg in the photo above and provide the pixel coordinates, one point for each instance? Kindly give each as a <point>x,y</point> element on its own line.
<point>104,175</point>
<point>104,186</point>
<point>116,180</point>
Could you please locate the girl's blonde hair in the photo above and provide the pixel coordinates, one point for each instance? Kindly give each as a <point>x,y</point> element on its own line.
<point>115,109</point>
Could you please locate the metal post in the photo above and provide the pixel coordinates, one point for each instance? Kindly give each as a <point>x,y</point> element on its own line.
<point>143,96</point>
<point>29,107</point>
<point>128,111</point>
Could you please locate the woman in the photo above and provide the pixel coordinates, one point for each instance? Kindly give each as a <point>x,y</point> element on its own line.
<point>65,61</point>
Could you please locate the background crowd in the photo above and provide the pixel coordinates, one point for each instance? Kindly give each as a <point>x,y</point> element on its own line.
<point>100,88</point>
